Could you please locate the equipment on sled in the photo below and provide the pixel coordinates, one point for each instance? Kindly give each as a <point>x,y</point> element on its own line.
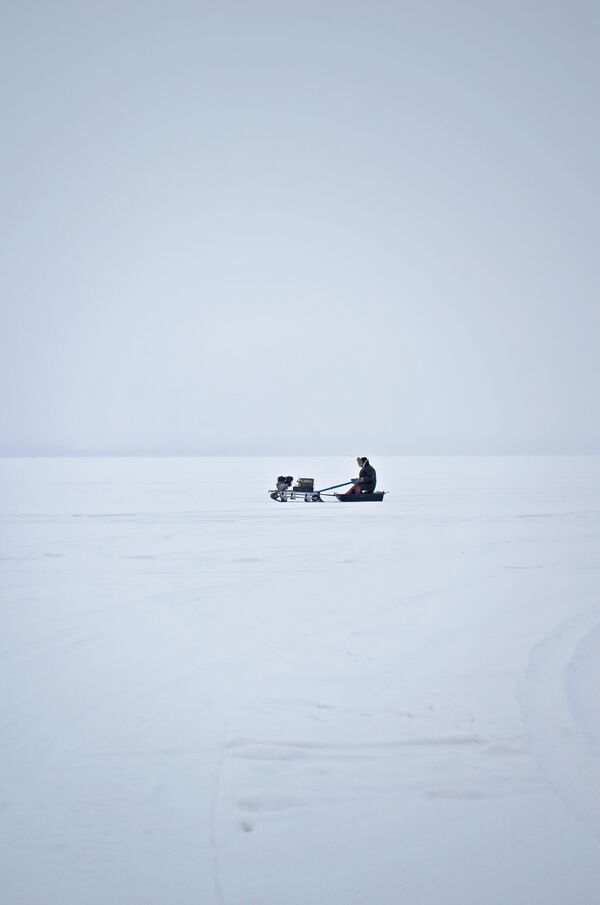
<point>303,489</point>
<point>304,485</point>
<point>284,483</point>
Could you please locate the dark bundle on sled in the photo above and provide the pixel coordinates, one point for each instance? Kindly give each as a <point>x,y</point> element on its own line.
<point>304,485</point>
<point>284,482</point>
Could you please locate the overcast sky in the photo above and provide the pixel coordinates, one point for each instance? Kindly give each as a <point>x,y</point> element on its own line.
<point>299,227</point>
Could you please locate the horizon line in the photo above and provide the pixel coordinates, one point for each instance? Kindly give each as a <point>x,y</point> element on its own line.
<point>294,455</point>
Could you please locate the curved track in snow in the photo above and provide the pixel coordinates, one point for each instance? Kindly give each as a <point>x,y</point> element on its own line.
<point>562,713</point>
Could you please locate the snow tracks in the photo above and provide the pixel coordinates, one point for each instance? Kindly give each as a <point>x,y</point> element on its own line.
<point>562,713</point>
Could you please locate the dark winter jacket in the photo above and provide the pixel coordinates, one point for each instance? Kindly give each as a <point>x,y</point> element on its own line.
<point>367,478</point>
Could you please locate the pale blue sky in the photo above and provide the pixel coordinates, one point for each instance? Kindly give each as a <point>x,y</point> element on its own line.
<point>305,227</point>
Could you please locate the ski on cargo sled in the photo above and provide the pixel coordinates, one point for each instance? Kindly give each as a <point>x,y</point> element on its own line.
<point>304,491</point>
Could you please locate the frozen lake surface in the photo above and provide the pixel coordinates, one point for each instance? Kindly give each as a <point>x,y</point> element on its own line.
<point>209,698</point>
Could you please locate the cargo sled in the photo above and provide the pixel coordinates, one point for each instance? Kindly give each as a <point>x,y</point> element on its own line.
<point>304,491</point>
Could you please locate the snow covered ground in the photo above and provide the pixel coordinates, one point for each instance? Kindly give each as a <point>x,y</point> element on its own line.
<point>209,698</point>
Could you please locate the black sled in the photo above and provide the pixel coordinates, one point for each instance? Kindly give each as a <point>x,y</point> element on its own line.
<point>376,497</point>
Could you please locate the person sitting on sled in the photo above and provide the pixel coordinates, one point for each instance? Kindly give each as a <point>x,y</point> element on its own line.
<point>367,479</point>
